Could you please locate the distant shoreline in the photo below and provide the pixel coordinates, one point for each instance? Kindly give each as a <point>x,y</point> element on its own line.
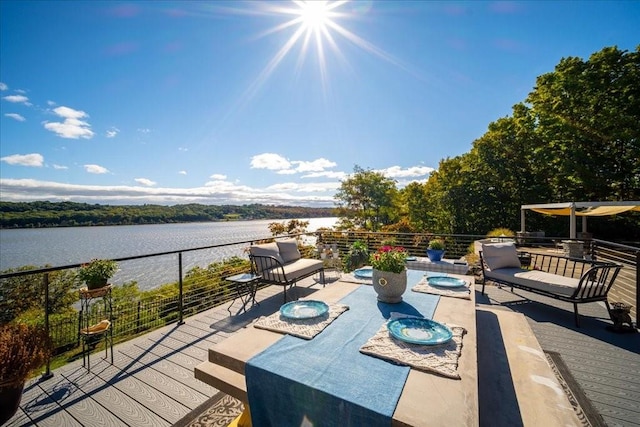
<point>15,215</point>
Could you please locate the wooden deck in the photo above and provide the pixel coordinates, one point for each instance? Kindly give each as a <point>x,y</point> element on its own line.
<point>152,383</point>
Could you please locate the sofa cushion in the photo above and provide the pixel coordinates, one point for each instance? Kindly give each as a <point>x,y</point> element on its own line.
<point>500,255</point>
<point>289,250</point>
<point>536,279</point>
<point>294,270</point>
<point>267,249</point>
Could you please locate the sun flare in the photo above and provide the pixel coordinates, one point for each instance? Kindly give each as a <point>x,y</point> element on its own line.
<point>315,15</point>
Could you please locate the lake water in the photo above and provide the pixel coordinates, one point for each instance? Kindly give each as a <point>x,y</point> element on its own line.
<point>73,245</point>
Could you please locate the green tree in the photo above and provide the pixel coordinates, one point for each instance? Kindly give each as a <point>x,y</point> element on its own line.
<point>367,199</point>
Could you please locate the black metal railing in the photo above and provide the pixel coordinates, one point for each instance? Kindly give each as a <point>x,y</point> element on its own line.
<point>200,288</point>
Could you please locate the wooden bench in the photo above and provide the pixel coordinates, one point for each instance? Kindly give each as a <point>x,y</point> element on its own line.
<point>516,385</point>
<point>573,280</point>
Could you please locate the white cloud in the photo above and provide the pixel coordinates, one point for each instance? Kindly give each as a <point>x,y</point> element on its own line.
<point>51,103</point>
<point>286,172</point>
<point>112,132</point>
<point>144,131</point>
<point>145,182</point>
<point>72,127</point>
<point>269,161</point>
<point>34,159</point>
<point>183,149</point>
<point>325,174</point>
<point>219,192</point>
<point>15,116</point>
<point>398,172</point>
<point>17,99</point>
<point>97,169</point>
<point>60,167</point>
<point>313,166</point>
<point>182,172</point>
<point>218,176</point>
<point>3,86</point>
<point>315,187</point>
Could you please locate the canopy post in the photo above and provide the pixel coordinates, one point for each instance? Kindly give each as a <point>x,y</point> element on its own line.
<point>522,228</point>
<point>572,222</point>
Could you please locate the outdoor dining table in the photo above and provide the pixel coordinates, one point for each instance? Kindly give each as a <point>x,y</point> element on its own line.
<point>286,380</point>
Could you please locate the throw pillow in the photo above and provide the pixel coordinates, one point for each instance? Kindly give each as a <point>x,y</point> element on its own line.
<point>500,255</point>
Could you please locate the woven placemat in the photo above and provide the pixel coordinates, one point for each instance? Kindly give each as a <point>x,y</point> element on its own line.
<point>302,328</point>
<point>423,286</point>
<point>440,359</point>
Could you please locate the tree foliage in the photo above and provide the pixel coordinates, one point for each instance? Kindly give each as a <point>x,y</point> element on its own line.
<point>50,214</point>
<point>367,199</point>
<point>576,137</point>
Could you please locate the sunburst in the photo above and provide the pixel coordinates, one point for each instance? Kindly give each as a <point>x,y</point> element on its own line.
<point>315,25</point>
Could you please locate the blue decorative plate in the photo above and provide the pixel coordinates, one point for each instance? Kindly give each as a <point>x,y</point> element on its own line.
<point>419,331</point>
<point>364,273</point>
<point>446,282</point>
<point>304,309</point>
<point>411,258</point>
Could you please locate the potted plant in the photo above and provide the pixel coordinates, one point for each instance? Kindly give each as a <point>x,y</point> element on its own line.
<point>23,349</point>
<point>389,273</point>
<point>357,257</point>
<point>96,273</point>
<point>435,250</point>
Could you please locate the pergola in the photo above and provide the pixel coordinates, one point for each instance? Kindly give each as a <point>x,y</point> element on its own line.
<point>582,209</point>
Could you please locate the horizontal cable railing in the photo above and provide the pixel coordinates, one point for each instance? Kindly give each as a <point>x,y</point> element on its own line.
<point>182,292</point>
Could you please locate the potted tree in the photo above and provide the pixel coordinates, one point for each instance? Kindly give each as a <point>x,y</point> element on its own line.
<point>23,349</point>
<point>435,250</point>
<point>97,273</point>
<point>389,273</point>
<point>357,257</point>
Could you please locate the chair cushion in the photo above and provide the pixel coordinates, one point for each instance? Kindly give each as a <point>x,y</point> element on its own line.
<point>266,249</point>
<point>500,255</point>
<point>289,250</point>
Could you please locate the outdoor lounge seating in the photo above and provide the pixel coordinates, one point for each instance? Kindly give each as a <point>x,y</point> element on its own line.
<point>280,263</point>
<point>568,279</point>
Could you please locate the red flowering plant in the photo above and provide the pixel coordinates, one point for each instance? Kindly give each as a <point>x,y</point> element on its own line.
<point>389,258</point>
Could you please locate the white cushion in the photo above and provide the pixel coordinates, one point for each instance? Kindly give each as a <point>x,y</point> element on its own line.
<point>500,255</point>
<point>289,250</point>
<point>266,249</point>
<point>536,279</point>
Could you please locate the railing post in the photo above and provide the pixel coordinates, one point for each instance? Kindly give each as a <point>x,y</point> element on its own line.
<point>45,282</point>
<point>180,295</point>
<point>637,289</point>
<point>138,318</point>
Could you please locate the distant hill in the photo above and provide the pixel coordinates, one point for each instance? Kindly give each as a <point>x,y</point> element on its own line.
<point>71,214</point>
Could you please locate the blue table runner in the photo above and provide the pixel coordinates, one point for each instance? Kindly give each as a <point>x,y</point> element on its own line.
<point>295,381</point>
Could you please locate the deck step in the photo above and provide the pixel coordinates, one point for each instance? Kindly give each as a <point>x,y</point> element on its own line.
<point>225,380</point>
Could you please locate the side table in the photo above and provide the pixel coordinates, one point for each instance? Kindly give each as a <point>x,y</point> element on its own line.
<point>90,334</point>
<point>246,285</point>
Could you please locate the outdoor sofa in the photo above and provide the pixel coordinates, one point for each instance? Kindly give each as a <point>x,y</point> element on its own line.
<point>572,280</point>
<point>280,263</point>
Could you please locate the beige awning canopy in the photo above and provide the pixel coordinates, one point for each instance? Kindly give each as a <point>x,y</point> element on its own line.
<point>582,209</point>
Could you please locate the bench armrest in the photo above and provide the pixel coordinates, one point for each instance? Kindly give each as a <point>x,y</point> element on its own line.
<point>269,267</point>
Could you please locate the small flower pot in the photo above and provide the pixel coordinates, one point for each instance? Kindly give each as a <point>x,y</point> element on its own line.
<point>435,254</point>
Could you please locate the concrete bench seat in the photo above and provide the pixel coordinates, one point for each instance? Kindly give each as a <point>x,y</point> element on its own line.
<point>573,280</point>
<point>280,263</point>
<point>516,385</point>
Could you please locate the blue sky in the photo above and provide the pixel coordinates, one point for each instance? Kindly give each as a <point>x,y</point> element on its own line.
<point>266,102</point>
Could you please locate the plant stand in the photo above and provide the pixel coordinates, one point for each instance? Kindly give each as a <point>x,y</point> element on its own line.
<point>91,334</point>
